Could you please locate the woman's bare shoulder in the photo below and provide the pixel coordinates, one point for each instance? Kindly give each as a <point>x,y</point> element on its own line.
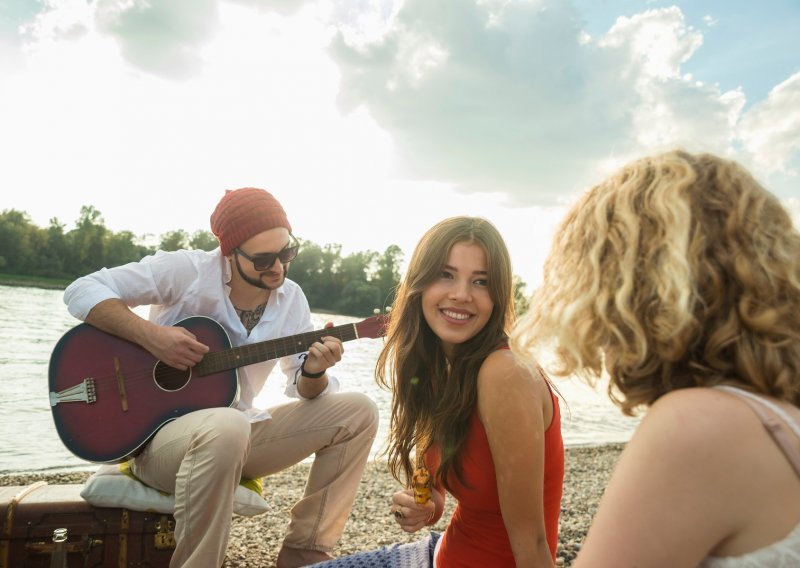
<point>698,423</point>
<point>503,379</point>
<point>704,406</point>
<point>502,366</point>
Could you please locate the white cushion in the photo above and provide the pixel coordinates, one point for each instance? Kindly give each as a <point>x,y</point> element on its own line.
<point>110,487</point>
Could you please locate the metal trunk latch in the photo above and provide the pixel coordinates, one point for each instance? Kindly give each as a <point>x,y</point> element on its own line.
<point>165,534</point>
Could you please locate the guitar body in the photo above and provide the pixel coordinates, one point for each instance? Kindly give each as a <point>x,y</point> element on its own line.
<point>110,396</point>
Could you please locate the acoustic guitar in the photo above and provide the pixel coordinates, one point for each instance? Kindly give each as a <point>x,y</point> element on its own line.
<point>109,396</point>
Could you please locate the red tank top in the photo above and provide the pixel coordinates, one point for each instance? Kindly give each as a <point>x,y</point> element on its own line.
<point>476,535</point>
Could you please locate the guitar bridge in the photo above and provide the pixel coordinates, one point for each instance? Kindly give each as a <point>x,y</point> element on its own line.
<point>83,392</point>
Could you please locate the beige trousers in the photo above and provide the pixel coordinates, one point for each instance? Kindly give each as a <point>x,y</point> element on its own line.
<point>200,458</point>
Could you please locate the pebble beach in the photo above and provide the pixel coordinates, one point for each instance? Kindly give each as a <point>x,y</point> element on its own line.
<point>255,541</point>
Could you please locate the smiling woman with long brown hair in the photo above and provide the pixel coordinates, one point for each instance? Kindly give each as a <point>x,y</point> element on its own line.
<point>487,429</point>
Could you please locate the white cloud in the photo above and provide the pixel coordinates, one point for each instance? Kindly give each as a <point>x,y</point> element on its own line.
<point>768,141</point>
<point>519,99</point>
<point>770,131</point>
<point>58,20</point>
<point>516,100</point>
<point>282,7</point>
<point>363,21</point>
<point>163,38</point>
<point>657,42</point>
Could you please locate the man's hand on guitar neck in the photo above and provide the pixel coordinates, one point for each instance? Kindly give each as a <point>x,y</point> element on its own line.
<point>322,355</point>
<point>175,346</point>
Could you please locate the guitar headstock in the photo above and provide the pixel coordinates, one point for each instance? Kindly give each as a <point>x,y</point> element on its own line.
<point>373,327</point>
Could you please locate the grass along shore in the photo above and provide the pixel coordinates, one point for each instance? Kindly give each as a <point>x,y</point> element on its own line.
<point>255,541</point>
<point>34,281</point>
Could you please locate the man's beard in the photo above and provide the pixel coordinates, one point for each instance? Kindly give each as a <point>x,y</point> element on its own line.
<point>257,282</point>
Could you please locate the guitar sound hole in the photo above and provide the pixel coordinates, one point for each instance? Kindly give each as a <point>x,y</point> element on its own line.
<point>170,378</point>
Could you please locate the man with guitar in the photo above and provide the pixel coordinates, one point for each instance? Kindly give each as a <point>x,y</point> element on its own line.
<point>200,455</point>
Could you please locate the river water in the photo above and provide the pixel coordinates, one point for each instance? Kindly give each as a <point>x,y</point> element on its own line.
<point>32,320</point>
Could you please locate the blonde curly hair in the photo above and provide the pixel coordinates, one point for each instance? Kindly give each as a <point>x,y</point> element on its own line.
<point>678,271</point>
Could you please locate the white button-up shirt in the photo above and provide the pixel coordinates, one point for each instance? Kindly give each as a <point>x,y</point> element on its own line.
<point>186,283</point>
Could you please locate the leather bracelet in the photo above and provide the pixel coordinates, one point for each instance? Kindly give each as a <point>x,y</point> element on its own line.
<point>308,375</point>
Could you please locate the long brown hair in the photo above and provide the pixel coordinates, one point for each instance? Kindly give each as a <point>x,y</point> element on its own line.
<point>433,398</point>
<point>678,271</point>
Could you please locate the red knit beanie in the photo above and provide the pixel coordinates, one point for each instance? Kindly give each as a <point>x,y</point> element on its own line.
<point>243,213</point>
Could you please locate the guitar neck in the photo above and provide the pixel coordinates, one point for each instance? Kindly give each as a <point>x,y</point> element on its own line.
<point>267,350</point>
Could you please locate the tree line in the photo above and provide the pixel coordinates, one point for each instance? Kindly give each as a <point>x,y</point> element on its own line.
<point>355,284</point>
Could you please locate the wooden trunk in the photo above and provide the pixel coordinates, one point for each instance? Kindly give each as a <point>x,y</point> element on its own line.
<point>93,536</point>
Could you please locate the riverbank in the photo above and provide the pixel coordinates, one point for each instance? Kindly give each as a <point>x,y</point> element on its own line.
<point>33,281</point>
<point>255,541</point>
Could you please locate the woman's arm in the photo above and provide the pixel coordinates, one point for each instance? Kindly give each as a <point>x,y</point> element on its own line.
<point>510,405</point>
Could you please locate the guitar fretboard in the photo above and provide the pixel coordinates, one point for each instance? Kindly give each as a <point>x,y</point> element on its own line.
<point>271,349</point>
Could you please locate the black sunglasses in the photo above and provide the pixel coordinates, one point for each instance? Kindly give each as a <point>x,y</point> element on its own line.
<point>264,260</point>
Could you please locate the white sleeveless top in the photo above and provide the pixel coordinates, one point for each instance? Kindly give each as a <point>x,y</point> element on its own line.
<point>782,554</point>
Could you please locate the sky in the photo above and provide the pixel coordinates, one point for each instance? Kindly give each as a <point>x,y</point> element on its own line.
<point>371,120</point>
